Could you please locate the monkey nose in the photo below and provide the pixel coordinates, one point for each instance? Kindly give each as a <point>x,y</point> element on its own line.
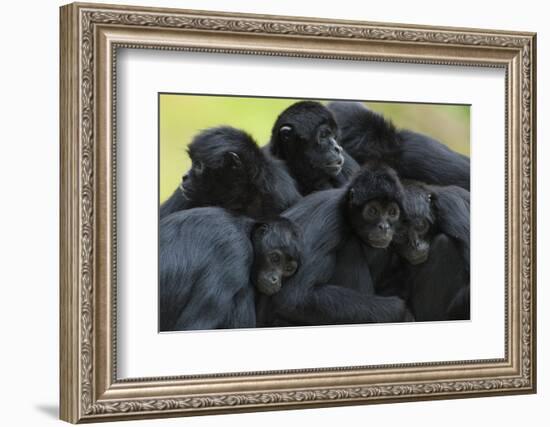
<point>336,163</point>
<point>274,279</point>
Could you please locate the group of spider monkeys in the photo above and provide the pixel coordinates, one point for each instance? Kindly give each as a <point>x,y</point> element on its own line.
<point>341,219</point>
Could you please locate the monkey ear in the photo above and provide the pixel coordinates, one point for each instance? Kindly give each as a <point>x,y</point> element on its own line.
<point>285,132</point>
<point>261,228</point>
<point>234,160</point>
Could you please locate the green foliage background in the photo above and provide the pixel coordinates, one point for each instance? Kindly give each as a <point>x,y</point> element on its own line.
<point>182,116</point>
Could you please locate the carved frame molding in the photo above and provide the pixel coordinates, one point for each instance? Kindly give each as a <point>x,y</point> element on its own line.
<point>90,37</point>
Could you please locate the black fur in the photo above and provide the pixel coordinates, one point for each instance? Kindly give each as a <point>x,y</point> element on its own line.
<point>229,170</point>
<point>206,262</point>
<point>334,284</point>
<point>377,181</point>
<point>438,288</point>
<point>366,135</point>
<point>451,206</point>
<point>459,308</point>
<point>303,152</point>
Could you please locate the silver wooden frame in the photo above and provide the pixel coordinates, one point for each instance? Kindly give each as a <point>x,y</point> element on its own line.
<point>90,36</point>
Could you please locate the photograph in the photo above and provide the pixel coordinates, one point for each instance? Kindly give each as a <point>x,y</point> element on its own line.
<point>308,212</point>
<point>269,211</point>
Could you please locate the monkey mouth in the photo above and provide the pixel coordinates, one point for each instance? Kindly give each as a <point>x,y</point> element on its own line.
<point>379,240</point>
<point>379,243</point>
<point>417,258</point>
<point>268,289</point>
<point>335,168</point>
<point>184,192</point>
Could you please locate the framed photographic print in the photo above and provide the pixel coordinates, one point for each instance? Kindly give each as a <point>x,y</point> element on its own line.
<point>267,212</point>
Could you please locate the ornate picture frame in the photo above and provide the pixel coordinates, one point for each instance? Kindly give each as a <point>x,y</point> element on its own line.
<point>90,37</point>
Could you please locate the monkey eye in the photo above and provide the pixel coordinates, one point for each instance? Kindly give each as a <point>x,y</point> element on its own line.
<point>325,133</point>
<point>422,226</point>
<point>199,167</point>
<point>291,268</point>
<point>371,210</point>
<point>235,160</point>
<point>393,211</point>
<point>285,132</point>
<point>275,258</point>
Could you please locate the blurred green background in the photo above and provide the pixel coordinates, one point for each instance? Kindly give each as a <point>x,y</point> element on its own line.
<point>182,116</point>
